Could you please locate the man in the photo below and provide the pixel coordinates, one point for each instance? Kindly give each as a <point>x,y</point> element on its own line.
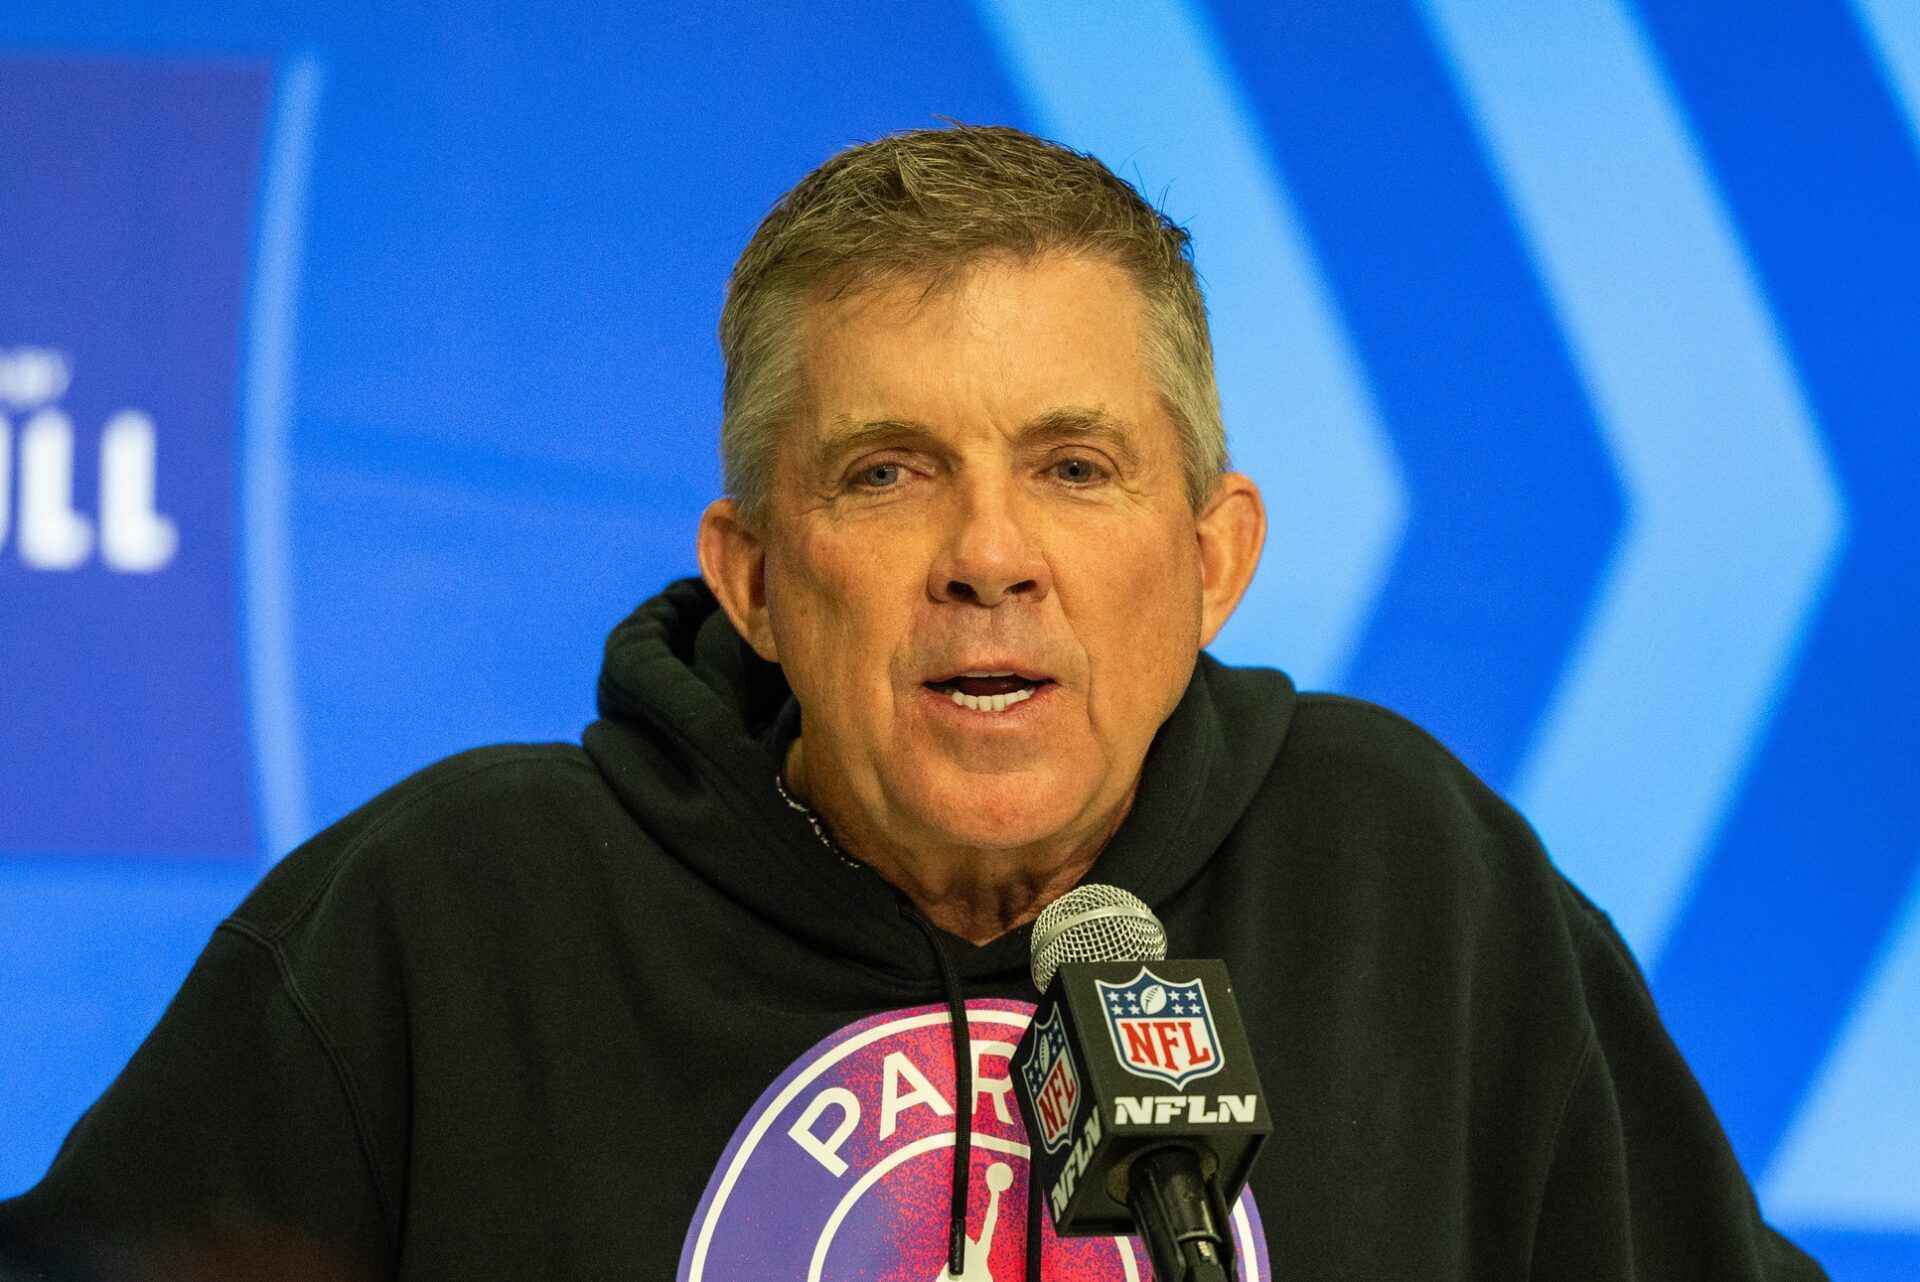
<point>677,1003</point>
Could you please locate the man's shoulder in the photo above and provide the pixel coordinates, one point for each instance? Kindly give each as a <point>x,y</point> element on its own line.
<point>1359,740</point>
<point>1373,786</point>
<point>1373,746</point>
<point>484,809</point>
<point>482,787</point>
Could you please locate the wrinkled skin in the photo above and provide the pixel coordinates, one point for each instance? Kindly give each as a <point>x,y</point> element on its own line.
<point>981,479</point>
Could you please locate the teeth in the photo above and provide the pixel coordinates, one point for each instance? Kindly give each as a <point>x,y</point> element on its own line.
<point>985,674</point>
<point>990,702</point>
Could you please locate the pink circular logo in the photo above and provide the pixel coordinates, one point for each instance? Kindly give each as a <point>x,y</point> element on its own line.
<point>840,1172</point>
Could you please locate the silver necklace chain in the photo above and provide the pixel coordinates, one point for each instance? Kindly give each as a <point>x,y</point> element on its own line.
<point>813,821</point>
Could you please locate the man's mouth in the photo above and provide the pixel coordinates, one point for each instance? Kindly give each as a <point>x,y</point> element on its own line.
<point>989,691</point>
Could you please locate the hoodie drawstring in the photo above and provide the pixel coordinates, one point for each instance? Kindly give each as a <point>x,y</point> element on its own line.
<point>963,1091</point>
<point>962,1068</point>
<point>1033,1216</point>
<point>963,1114</point>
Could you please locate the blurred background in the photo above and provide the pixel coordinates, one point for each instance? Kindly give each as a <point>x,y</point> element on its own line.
<point>357,374</point>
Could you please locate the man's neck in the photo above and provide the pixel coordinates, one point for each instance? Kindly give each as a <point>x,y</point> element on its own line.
<point>976,893</point>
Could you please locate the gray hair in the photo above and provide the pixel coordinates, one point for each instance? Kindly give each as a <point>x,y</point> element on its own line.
<point>924,205</point>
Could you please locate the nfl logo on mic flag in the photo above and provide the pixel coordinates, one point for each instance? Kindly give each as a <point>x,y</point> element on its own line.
<point>1161,1029</point>
<point>1052,1082</point>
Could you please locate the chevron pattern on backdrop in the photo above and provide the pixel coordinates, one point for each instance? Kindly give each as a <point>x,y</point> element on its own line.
<point>1573,344</point>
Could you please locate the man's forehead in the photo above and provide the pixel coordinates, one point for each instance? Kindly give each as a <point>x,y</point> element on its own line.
<point>1048,346</point>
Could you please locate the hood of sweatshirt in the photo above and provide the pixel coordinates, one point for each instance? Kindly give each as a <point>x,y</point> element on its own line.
<point>684,703</point>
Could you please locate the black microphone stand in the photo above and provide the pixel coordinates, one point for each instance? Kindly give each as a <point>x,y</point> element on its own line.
<point>1178,1209</point>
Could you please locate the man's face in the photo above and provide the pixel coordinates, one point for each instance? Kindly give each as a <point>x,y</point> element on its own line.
<point>982,576</point>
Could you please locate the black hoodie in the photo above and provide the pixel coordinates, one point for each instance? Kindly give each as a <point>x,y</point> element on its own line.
<point>619,1011</point>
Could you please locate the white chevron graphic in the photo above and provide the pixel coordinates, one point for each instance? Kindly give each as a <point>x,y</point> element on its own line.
<point>1892,30</point>
<point>1851,1159</point>
<point>1733,515</point>
<point>1146,89</point>
<point>266,467</point>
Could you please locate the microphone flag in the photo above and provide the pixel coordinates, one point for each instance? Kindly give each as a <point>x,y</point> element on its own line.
<point>1124,1057</point>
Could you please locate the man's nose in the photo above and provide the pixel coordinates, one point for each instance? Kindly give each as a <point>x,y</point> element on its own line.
<point>990,554</point>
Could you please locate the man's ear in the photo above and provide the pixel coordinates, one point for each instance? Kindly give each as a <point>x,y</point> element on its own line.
<point>733,560</point>
<point>1232,530</point>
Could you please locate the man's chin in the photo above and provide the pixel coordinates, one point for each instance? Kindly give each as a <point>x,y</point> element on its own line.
<point>1002,813</point>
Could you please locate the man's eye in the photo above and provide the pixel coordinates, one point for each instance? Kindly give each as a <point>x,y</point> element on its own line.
<point>1078,471</point>
<point>878,477</point>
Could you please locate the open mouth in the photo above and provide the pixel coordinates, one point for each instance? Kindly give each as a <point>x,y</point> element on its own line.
<point>989,691</point>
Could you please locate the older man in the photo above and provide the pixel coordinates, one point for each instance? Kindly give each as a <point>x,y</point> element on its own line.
<point>678,1004</point>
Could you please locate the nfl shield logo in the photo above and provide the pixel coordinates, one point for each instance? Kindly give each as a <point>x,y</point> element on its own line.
<point>1161,1030</point>
<point>1052,1084</point>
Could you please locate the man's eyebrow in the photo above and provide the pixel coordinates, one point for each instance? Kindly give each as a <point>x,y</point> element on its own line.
<point>1085,423</point>
<point>844,437</point>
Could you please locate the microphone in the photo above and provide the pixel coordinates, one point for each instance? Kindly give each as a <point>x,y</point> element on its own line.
<point>1142,1104</point>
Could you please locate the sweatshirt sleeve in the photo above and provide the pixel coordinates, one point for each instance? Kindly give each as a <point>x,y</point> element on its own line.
<point>1643,1182</point>
<point>229,1147</point>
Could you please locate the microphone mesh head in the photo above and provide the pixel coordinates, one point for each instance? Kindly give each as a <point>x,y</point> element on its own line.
<point>1094,923</point>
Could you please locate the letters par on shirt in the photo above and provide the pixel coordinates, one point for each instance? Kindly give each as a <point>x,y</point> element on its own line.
<point>841,1170</point>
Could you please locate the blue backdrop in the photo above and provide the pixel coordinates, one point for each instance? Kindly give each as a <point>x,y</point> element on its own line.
<point>357,373</point>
